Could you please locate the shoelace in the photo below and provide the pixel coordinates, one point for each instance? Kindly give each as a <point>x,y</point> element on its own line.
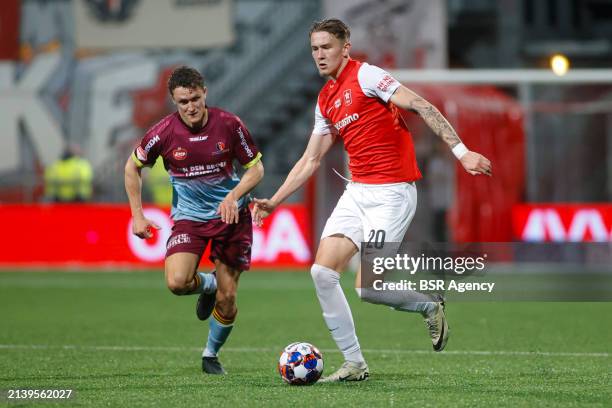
<point>432,325</point>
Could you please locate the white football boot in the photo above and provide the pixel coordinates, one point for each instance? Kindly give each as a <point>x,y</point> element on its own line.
<point>438,327</point>
<point>349,371</point>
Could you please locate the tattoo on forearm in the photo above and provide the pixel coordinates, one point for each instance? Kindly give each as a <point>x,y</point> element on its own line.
<point>436,121</point>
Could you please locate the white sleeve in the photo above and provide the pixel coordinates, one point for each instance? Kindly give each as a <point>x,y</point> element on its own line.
<point>322,125</point>
<point>376,82</point>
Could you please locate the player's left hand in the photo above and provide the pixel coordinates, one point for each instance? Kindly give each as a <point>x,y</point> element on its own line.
<point>229,210</point>
<point>475,164</point>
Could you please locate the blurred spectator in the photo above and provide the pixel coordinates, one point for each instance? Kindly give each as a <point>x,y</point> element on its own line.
<point>70,178</point>
<point>439,176</point>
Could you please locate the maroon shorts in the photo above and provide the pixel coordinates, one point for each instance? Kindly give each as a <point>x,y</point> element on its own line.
<point>230,243</point>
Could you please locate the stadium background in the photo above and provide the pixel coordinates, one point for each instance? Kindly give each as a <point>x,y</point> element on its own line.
<point>93,74</point>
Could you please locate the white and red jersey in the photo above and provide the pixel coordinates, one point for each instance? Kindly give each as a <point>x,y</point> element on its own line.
<point>356,107</point>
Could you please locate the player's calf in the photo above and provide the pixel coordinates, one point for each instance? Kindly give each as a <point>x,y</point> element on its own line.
<point>226,304</point>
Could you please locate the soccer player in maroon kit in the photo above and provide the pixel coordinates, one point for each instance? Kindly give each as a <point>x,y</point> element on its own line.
<point>360,105</point>
<point>198,145</point>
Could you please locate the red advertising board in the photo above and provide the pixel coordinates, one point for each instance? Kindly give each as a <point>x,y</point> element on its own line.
<point>563,222</point>
<point>100,236</point>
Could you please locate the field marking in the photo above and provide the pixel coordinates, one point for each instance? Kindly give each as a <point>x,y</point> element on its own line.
<point>274,350</point>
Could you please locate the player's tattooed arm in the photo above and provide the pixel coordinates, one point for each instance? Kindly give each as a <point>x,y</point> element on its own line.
<point>473,162</point>
<point>435,120</point>
<point>408,100</point>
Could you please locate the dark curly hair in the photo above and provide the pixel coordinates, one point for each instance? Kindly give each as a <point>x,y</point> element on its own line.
<point>333,26</point>
<point>186,77</point>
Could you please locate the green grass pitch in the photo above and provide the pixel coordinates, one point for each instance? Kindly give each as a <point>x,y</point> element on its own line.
<point>122,339</point>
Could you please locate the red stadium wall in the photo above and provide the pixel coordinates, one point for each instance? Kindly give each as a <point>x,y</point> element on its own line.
<point>491,123</point>
<point>94,236</point>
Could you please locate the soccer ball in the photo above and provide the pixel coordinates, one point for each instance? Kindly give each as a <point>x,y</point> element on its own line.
<point>300,364</point>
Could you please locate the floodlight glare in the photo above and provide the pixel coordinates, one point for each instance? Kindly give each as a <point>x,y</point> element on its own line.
<point>559,64</point>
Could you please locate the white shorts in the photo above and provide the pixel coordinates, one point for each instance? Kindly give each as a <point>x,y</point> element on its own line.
<point>366,209</point>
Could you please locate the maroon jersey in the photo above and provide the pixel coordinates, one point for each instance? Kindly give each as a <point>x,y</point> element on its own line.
<point>200,162</point>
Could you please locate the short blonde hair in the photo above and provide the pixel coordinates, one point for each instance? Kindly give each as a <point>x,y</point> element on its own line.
<point>333,26</point>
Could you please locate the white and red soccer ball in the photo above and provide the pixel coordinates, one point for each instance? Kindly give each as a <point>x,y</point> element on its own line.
<point>300,364</point>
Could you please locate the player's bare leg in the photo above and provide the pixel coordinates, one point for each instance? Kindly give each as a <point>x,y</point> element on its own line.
<point>182,278</point>
<point>180,271</point>
<point>333,255</point>
<point>223,317</point>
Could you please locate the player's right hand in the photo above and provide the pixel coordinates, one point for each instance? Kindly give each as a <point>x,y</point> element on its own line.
<point>141,227</point>
<point>475,164</point>
<point>262,208</point>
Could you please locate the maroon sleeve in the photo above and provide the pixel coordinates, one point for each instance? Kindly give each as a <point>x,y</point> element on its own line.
<point>243,146</point>
<point>149,149</point>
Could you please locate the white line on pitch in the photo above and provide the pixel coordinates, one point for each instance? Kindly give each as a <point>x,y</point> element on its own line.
<point>271,350</point>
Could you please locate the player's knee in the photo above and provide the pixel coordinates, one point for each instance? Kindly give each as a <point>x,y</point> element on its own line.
<point>177,286</point>
<point>324,277</point>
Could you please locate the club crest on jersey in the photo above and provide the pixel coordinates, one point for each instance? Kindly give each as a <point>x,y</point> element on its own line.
<point>220,148</point>
<point>179,153</point>
<point>348,98</point>
<point>337,103</point>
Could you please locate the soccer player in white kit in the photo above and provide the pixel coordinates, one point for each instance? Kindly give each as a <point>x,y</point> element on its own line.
<point>360,104</point>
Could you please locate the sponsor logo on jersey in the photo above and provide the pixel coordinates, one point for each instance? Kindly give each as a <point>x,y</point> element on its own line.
<point>244,143</point>
<point>337,103</point>
<point>198,138</point>
<point>346,121</point>
<point>348,98</point>
<point>151,143</point>
<point>179,153</point>
<point>204,169</point>
<point>385,83</point>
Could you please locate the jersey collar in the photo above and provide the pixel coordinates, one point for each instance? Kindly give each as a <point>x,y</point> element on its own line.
<point>199,130</point>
